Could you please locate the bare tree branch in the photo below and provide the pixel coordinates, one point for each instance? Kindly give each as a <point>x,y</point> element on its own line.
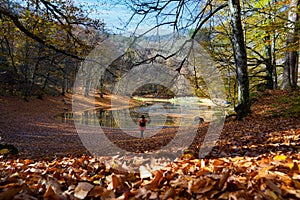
<point>207,18</point>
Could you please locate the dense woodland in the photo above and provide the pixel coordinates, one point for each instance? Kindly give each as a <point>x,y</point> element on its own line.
<point>255,43</point>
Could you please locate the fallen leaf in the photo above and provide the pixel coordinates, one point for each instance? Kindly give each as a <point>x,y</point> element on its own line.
<point>82,190</point>
<point>25,197</point>
<point>144,172</point>
<point>115,182</point>
<point>170,193</point>
<point>157,179</point>
<point>97,191</point>
<point>50,194</point>
<point>224,178</point>
<point>10,193</point>
<point>280,158</point>
<point>273,186</point>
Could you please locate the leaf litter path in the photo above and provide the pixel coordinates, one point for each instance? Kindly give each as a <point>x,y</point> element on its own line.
<point>257,158</point>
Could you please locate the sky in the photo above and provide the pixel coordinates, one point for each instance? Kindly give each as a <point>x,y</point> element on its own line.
<point>116,14</point>
<point>112,12</point>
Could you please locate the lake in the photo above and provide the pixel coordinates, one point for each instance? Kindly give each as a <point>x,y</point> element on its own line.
<point>159,114</point>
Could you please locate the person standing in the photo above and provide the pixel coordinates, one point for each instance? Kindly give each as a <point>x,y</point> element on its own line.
<point>142,125</point>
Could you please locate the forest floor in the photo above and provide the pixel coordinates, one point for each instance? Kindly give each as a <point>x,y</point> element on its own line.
<point>35,127</point>
<point>257,158</point>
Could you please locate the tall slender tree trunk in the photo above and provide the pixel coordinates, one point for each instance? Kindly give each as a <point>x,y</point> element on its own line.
<point>64,81</point>
<point>275,81</point>
<point>273,39</point>
<point>290,72</point>
<point>269,63</point>
<point>240,57</point>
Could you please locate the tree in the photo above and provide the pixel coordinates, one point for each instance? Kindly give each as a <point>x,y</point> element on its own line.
<point>290,73</point>
<point>44,40</point>
<point>205,11</point>
<point>240,57</point>
<point>63,13</point>
<point>260,30</point>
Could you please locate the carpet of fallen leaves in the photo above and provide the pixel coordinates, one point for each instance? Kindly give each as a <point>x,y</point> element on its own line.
<point>257,158</point>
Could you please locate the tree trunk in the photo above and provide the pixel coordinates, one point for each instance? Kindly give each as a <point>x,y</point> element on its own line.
<point>64,82</point>
<point>290,72</point>
<point>269,63</point>
<point>272,52</point>
<point>240,57</point>
<point>87,86</point>
<point>274,62</point>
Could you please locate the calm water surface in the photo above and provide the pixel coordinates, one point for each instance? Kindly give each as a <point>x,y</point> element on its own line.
<point>158,114</point>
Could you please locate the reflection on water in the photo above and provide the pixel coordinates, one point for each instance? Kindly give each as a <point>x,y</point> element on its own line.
<point>162,114</point>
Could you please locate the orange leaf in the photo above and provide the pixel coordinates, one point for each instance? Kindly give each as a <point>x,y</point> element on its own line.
<point>156,181</point>
<point>115,181</point>
<point>50,194</point>
<point>170,193</point>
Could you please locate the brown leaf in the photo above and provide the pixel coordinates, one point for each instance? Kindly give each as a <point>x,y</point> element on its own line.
<point>154,184</point>
<point>224,178</point>
<point>153,195</point>
<point>224,195</point>
<point>271,195</point>
<point>194,186</point>
<point>182,181</point>
<point>23,196</point>
<point>205,189</point>
<point>97,191</point>
<point>218,162</point>
<point>211,194</point>
<point>10,193</point>
<point>50,194</point>
<point>9,185</point>
<point>296,184</point>
<point>54,185</point>
<point>237,195</point>
<point>170,193</point>
<point>141,193</point>
<point>115,181</point>
<point>295,167</point>
<point>82,190</point>
<point>273,186</point>
<point>137,184</point>
<point>126,195</point>
<point>292,191</point>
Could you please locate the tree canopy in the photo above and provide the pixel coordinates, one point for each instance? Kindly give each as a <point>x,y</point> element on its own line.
<point>43,42</point>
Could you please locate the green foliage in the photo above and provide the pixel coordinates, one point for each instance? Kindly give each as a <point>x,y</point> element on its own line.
<point>264,24</point>
<point>254,96</point>
<point>289,106</point>
<point>8,149</point>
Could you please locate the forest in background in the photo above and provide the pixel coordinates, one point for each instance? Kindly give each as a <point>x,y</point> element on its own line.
<point>44,42</point>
